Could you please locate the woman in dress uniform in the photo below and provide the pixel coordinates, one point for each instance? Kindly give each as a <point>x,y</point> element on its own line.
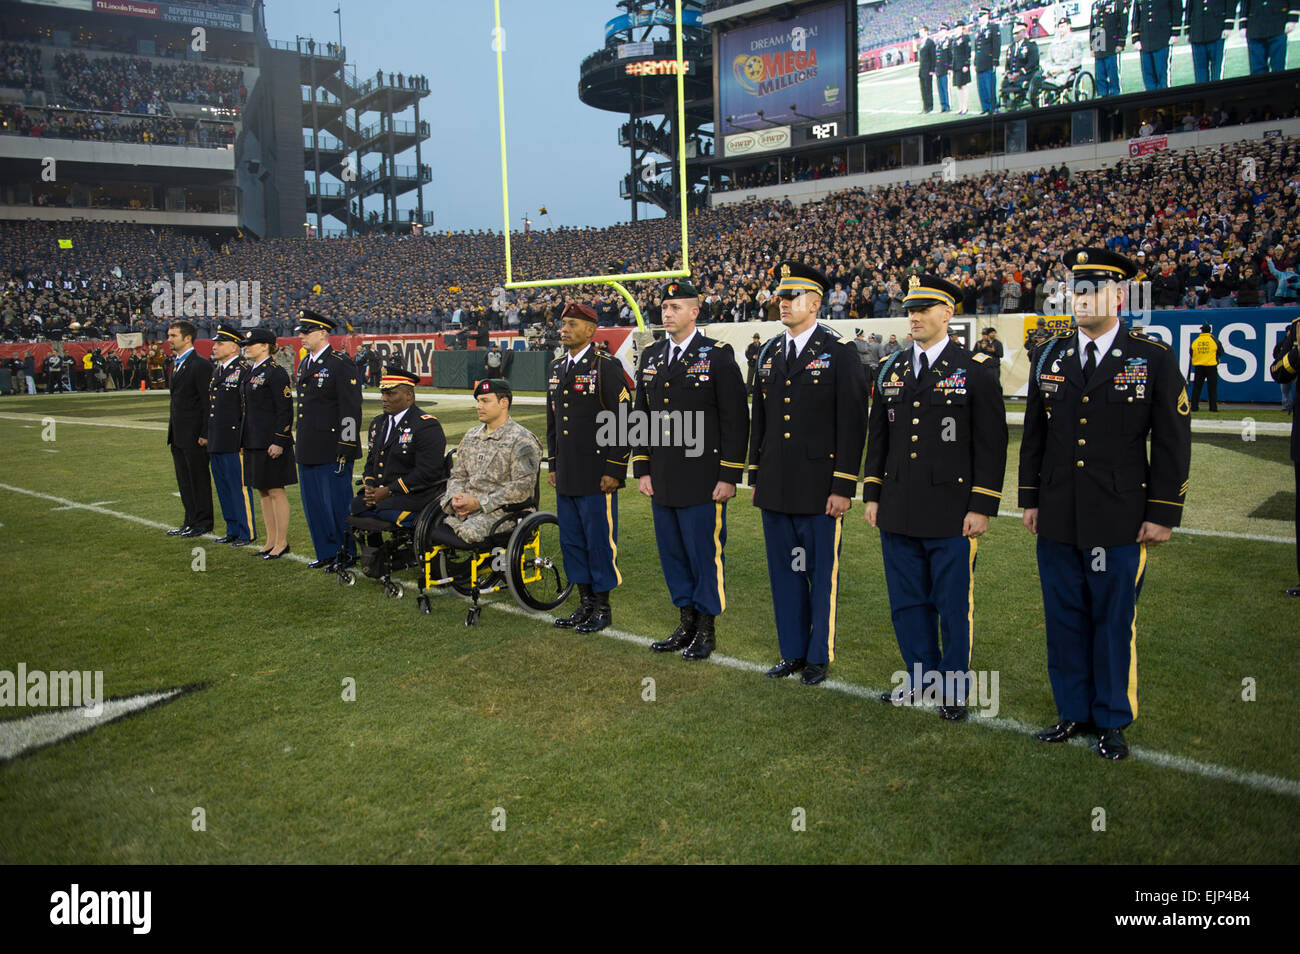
<point>269,464</point>
<point>961,53</point>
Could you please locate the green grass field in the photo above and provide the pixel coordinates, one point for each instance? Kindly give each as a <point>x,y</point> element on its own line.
<point>451,724</point>
<point>890,99</point>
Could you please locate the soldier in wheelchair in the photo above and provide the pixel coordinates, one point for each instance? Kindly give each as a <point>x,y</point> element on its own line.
<point>485,533</point>
<point>1020,68</point>
<point>1062,78</point>
<point>406,470</point>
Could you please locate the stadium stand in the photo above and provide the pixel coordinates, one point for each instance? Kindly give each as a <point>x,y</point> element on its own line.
<point>1180,214</point>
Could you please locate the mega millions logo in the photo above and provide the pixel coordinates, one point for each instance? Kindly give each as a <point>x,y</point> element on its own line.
<point>760,73</point>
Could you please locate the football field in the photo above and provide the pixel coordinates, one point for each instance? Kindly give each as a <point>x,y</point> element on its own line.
<point>890,99</point>
<point>328,724</point>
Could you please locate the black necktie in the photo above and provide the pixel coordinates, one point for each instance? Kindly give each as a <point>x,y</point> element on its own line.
<point>388,431</point>
<point>1090,365</point>
<point>925,366</point>
<point>791,354</point>
<point>673,354</point>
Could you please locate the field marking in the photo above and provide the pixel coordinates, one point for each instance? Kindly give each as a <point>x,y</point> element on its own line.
<point>26,734</point>
<point>1257,780</point>
<point>41,418</point>
<point>1191,532</point>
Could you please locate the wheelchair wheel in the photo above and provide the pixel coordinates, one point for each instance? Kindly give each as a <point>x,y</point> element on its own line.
<point>1085,87</point>
<point>455,564</point>
<point>535,569</point>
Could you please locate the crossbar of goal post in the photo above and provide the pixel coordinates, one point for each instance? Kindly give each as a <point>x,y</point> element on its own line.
<point>614,281</point>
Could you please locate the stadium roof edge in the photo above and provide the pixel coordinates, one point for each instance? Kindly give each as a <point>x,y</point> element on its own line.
<point>748,8</point>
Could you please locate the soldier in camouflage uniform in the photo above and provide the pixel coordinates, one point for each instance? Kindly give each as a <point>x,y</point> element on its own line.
<point>497,464</point>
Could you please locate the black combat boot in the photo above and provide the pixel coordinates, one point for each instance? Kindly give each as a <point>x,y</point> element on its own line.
<point>704,641</point>
<point>601,615</point>
<point>682,635</point>
<point>585,606</point>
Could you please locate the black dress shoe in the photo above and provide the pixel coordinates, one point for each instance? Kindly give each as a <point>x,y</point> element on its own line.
<point>681,637</point>
<point>1293,591</point>
<point>272,555</point>
<point>814,673</point>
<point>952,713</point>
<point>895,698</point>
<point>240,543</point>
<point>705,641</point>
<point>586,603</point>
<point>176,531</point>
<point>601,616</point>
<point>191,532</point>
<point>1111,745</point>
<point>786,667</point>
<point>1064,731</point>
<point>321,564</point>
<point>228,538</point>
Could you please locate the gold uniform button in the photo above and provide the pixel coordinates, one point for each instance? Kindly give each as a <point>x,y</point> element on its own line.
<point>1078,463</point>
<point>961,480</point>
<point>913,455</point>
<point>1085,399</point>
<point>1083,420</point>
<point>665,400</point>
<point>916,404</point>
<point>949,401</point>
<point>1082,442</point>
<point>566,417</point>
<point>566,434</point>
<point>787,400</point>
<point>787,382</point>
<point>916,420</point>
<point>1130,400</point>
<point>914,438</point>
<point>787,417</point>
<point>787,435</point>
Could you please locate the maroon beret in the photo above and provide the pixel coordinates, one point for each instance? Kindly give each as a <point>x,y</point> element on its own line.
<point>574,310</point>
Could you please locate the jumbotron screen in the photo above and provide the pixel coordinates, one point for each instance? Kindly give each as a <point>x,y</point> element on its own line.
<point>922,62</point>
<point>783,81</point>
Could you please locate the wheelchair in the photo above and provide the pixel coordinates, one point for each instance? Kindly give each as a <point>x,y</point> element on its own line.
<point>1078,86</point>
<point>521,554</point>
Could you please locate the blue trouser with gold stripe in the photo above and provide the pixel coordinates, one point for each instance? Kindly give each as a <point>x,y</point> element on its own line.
<point>236,504</point>
<point>803,565</point>
<point>691,540</point>
<point>589,539</point>
<point>326,502</point>
<point>1090,603</point>
<point>931,589</point>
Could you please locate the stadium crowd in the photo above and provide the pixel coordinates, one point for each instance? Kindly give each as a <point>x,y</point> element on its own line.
<point>20,66</point>
<point>18,120</point>
<point>124,84</point>
<point>1203,230</point>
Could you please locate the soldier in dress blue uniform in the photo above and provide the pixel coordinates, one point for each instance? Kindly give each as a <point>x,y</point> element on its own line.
<point>267,438</point>
<point>1093,498</point>
<point>988,49</point>
<point>1207,24</point>
<point>407,458</point>
<point>936,455</point>
<point>808,425</point>
<point>688,380</point>
<point>588,463</point>
<point>1268,24</point>
<point>1286,368</point>
<point>329,441</point>
<point>1107,34</point>
<point>1152,27</point>
<point>943,66</point>
<point>225,420</point>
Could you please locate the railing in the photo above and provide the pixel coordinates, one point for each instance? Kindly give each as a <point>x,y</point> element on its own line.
<point>327,190</point>
<point>424,173</point>
<point>399,127</point>
<point>663,49</point>
<point>308,47</point>
<point>324,143</point>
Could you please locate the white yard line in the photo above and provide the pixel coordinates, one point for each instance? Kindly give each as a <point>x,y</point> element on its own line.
<point>1256,780</point>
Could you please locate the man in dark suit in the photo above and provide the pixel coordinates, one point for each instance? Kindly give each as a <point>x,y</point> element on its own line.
<point>925,68</point>
<point>224,425</point>
<point>588,464</point>
<point>936,455</point>
<point>808,425</point>
<point>690,402</point>
<point>191,374</point>
<point>1284,369</point>
<point>1095,501</point>
<point>328,442</point>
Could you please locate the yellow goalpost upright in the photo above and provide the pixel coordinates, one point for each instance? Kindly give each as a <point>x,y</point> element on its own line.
<point>614,281</point>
